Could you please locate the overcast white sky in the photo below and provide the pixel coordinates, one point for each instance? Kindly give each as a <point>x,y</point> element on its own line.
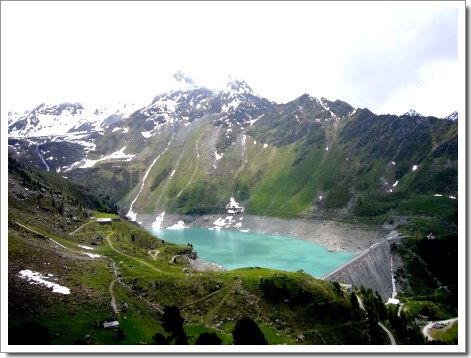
<point>389,57</point>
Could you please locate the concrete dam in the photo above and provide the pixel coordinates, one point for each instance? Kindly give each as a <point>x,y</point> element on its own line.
<point>372,268</point>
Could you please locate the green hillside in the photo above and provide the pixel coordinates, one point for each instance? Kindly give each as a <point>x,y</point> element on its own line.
<point>140,275</point>
<point>361,165</point>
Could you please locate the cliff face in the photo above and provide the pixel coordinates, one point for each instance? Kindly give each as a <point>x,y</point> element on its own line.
<point>372,269</point>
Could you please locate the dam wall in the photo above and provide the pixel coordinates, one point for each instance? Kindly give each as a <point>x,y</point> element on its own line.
<point>372,268</point>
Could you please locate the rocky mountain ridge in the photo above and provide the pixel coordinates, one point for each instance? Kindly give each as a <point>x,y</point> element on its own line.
<point>192,148</point>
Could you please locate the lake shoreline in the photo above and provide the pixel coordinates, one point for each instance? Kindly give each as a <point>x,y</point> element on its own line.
<point>201,265</point>
<point>233,249</point>
<point>333,235</point>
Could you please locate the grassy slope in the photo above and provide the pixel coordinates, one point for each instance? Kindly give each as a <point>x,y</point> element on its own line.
<point>210,301</point>
<point>447,335</point>
<point>268,181</point>
<point>287,178</point>
<point>233,293</point>
<point>284,181</point>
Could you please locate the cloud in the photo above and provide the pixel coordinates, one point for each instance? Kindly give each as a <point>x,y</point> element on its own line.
<point>436,93</point>
<point>404,55</point>
<point>368,54</point>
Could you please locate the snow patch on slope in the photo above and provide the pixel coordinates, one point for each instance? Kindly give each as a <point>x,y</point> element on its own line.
<point>252,121</point>
<point>147,134</point>
<point>217,155</point>
<point>178,226</point>
<point>118,155</point>
<point>93,256</point>
<point>221,223</point>
<point>157,224</point>
<point>412,113</point>
<point>37,278</point>
<point>233,207</point>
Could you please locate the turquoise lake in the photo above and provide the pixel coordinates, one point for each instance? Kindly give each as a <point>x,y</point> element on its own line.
<point>235,249</point>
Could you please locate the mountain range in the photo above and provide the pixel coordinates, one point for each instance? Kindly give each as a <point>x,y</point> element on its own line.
<point>192,149</point>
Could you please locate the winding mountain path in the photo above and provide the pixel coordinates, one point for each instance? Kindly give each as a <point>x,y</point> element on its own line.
<point>132,257</point>
<point>202,299</point>
<point>113,297</point>
<point>47,238</point>
<point>391,337</point>
<point>153,254</point>
<point>383,327</point>
<point>80,227</point>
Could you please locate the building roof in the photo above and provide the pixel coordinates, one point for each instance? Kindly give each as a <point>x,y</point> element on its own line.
<point>111,324</point>
<point>104,220</point>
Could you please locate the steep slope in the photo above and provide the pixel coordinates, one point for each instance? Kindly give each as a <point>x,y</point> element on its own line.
<point>192,149</point>
<point>57,136</point>
<point>61,192</point>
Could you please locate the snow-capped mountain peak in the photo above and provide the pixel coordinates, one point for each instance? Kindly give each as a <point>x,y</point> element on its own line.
<point>238,87</point>
<point>412,113</point>
<point>59,109</point>
<point>182,106</point>
<point>64,118</point>
<point>237,97</point>
<point>453,117</point>
<point>13,116</point>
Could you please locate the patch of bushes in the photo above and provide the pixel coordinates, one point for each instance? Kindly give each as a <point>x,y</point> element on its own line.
<point>337,197</point>
<point>434,206</point>
<point>367,206</point>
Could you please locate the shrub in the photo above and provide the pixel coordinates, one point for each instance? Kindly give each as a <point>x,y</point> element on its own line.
<point>246,331</point>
